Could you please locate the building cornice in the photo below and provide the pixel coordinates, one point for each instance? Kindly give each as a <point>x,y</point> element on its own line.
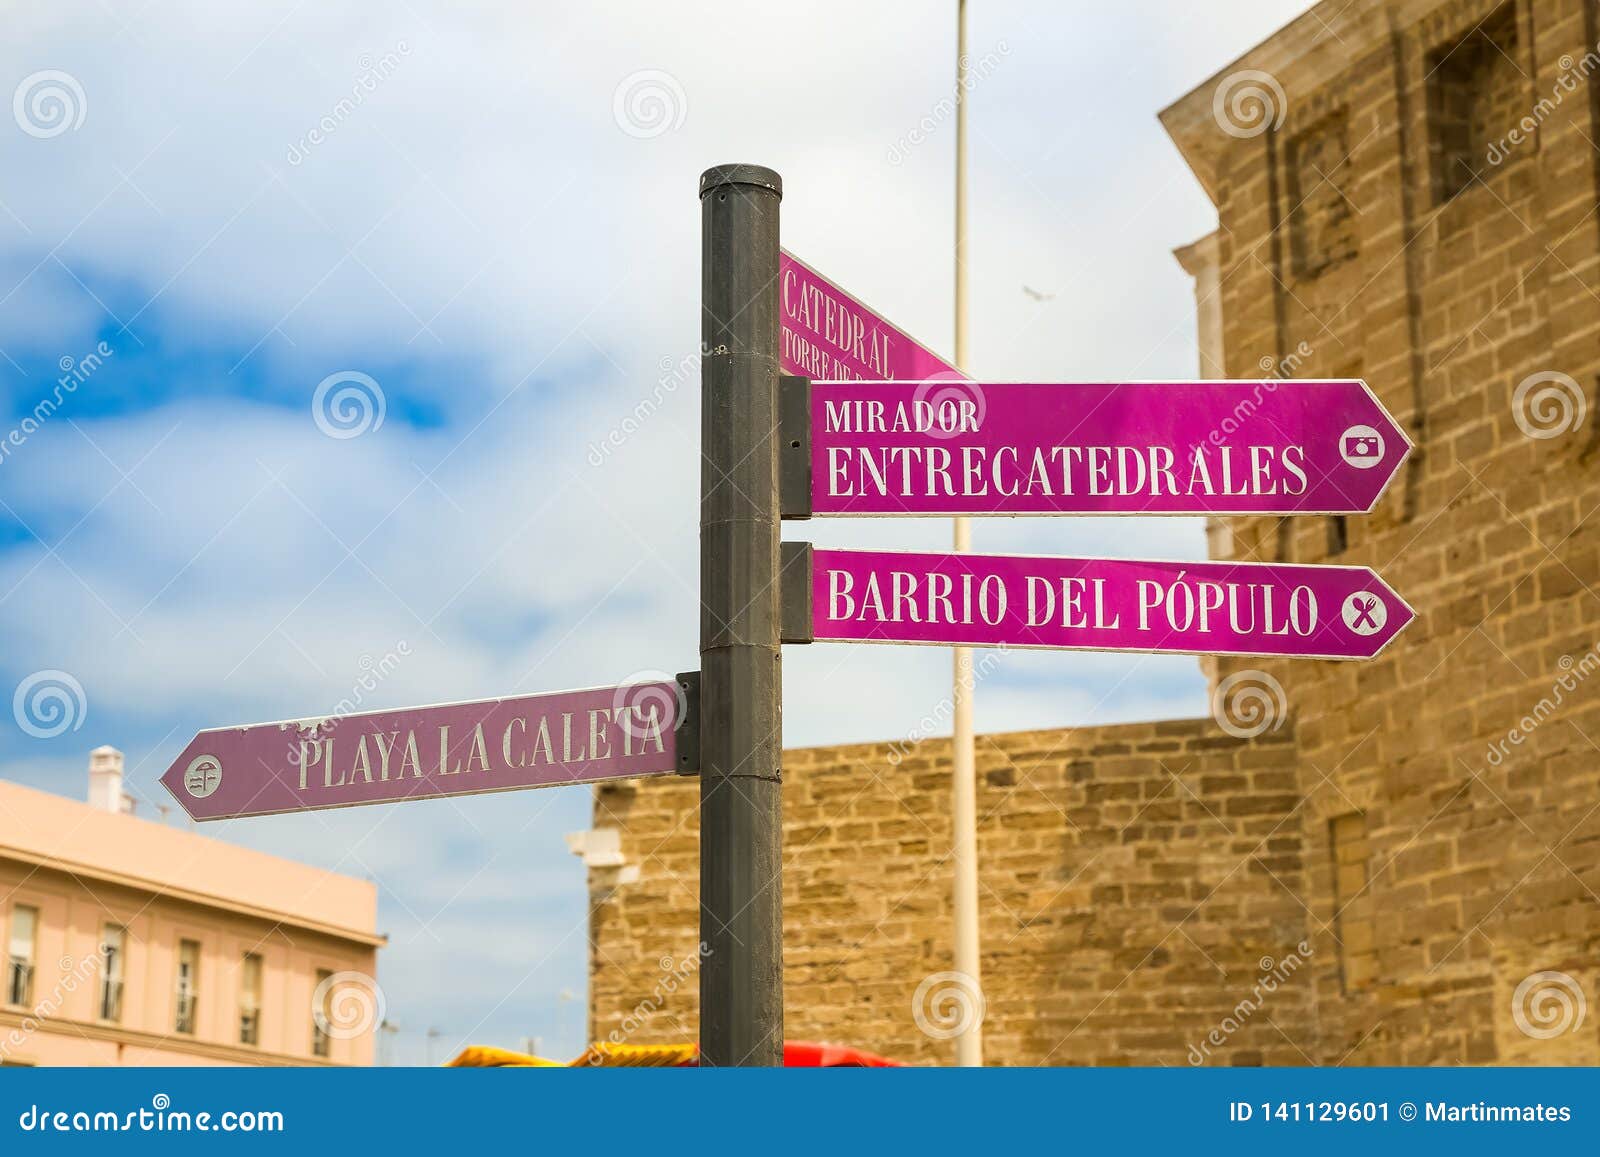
<point>116,1034</point>
<point>192,896</point>
<point>1301,57</point>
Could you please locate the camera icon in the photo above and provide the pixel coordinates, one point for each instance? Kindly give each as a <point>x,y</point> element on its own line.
<point>1361,447</point>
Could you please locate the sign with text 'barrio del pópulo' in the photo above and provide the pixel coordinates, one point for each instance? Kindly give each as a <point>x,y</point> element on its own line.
<point>1088,604</point>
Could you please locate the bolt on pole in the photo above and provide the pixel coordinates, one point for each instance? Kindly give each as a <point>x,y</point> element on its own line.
<point>741,730</point>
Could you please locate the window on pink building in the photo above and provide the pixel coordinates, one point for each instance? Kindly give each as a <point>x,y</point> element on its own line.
<point>322,1016</point>
<point>250,1000</point>
<point>113,949</point>
<point>188,985</point>
<point>19,963</point>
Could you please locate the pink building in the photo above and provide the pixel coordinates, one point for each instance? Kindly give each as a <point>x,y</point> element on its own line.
<point>129,942</point>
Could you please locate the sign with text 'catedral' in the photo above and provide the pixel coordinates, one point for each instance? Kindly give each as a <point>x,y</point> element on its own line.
<point>563,737</point>
<point>951,448</point>
<point>1086,604</point>
<point>825,333</point>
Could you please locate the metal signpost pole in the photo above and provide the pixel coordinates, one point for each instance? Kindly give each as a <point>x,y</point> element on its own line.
<point>741,835</point>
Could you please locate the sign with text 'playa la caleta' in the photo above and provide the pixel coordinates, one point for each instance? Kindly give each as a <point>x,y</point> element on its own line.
<point>825,333</point>
<point>528,741</point>
<point>1087,604</point>
<point>949,448</point>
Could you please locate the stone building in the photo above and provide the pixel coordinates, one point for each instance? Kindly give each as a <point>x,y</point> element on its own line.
<point>1403,866</point>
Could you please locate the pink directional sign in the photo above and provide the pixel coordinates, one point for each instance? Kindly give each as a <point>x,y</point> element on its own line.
<point>961,448</point>
<point>1086,604</point>
<point>827,334</point>
<point>426,752</point>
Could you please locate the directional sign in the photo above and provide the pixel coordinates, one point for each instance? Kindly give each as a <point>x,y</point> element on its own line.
<point>564,737</point>
<point>947,448</point>
<point>1086,604</point>
<point>828,334</point>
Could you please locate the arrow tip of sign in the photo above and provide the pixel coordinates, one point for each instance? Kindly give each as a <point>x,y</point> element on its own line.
<point>1389,418</point>
<point>172,780</point>
<point>1401,614</point>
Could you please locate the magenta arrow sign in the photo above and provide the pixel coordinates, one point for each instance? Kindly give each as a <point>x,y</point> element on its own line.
<point>825,333</point>
<point>564,737</point>
<point>947,448</point>
<point>1087,604</point>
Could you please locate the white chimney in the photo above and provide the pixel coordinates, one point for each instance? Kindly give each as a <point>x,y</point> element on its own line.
<point>105,781</point>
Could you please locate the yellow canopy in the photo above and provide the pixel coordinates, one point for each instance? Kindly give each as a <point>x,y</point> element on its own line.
<point>598,1055</point>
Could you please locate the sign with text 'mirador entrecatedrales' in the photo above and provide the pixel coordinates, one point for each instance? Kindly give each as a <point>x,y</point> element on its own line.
<point>956,447</point>
<point>526,741</point>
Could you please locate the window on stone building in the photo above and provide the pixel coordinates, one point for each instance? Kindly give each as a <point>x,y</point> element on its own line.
<point>21,950</point>
<point>1338,535</point>
<point>188,985</point>
<point>250,999</point>
<point>1285,540</point>
<point>1477,94</point>
<point>113,951</point>
<point>1352,901</point>
<point>1321,217</point>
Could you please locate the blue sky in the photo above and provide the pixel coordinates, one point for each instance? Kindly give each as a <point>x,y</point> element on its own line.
<point>482,234</point>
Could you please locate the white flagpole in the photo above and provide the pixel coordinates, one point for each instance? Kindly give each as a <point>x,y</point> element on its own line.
<point>964,788</point>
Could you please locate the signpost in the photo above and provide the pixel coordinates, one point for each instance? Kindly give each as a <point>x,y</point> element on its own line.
<point>828,335</point>
<point>899,432</point>
<point>1088,604</point>
<point>741,816</point>
<point>945,448</point>
<point>451,749</point>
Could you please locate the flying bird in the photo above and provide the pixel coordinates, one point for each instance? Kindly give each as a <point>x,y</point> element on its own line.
<point>1036,295</point>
